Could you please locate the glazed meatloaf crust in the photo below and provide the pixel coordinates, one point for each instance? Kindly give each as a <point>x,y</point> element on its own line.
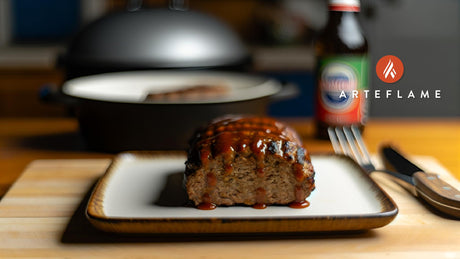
<point>248,160</point>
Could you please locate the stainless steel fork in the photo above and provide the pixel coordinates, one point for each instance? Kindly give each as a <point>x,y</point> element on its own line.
<point>347,140</point>
<point>436,192</point>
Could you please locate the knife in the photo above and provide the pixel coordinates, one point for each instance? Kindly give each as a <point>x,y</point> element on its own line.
<point>427,186</point>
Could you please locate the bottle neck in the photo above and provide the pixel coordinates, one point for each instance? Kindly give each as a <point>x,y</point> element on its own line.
<point>347,28</point>
<point>337,18</point>
<point>344,5</point>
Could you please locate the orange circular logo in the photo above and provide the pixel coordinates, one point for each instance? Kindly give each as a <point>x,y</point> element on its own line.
<point>389,69</point>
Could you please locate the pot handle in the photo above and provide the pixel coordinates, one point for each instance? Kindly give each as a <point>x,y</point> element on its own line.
<point>51,94</point>
<point>288,91</point>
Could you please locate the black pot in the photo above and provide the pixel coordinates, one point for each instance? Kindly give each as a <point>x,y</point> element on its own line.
<point>114,116</point>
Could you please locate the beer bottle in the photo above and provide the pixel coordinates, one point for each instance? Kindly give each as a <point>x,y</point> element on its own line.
<point>342,69</point>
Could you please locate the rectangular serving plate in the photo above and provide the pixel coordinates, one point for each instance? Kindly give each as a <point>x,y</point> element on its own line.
<point>142,192</point>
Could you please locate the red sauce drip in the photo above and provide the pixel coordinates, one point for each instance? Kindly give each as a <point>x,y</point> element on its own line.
<point>299,194</point>
<point>299,172</point>
<point>206,198</point>
<point>259,206</point>
<point>204,156</point>
<point>206,206</point>
<point>261,195</point>
<point>300,200</point>
<point>299,205</point>
<point>260,171</point>
<point>206,203</point>
<point>223,144</point>
<point>211,180</point>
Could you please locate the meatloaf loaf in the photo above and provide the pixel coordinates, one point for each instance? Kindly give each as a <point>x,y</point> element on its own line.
<point>253,161</point>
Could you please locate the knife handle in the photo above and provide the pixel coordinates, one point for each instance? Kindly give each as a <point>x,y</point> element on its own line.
<point>437,193</point>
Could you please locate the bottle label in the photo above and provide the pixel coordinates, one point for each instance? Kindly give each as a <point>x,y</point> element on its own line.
<point>341,82</point>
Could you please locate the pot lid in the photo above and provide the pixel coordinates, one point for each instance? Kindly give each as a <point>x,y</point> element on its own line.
<point>157,38</point>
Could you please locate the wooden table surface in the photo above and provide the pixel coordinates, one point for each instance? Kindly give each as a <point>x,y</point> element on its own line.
<point>43,214</point>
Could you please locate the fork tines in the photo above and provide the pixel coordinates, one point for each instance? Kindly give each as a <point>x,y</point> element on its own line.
<point>348,140</point>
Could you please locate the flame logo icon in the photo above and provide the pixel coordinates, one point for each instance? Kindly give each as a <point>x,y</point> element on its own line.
<point>389,70</point>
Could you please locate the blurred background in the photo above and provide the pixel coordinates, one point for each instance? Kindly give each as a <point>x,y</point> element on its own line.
<point>424,34</point>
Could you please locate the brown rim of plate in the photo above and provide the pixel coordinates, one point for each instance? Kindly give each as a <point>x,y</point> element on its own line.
<point>95,212</point>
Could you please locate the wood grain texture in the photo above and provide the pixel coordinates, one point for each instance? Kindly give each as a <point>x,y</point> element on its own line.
<point>43,216</point>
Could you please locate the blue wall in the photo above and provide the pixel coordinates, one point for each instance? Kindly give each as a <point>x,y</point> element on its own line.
<point>44,20</point>
<point>303,104</point>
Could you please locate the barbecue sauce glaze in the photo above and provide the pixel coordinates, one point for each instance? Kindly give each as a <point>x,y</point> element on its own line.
<point>232,135</point>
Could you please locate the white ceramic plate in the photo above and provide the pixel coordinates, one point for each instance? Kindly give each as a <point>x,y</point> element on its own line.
<point>142,192</point>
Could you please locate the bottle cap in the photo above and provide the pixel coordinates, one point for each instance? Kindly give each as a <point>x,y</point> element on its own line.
<point>344,5</point>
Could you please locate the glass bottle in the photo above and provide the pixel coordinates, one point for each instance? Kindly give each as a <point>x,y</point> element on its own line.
<point>342,69</point>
